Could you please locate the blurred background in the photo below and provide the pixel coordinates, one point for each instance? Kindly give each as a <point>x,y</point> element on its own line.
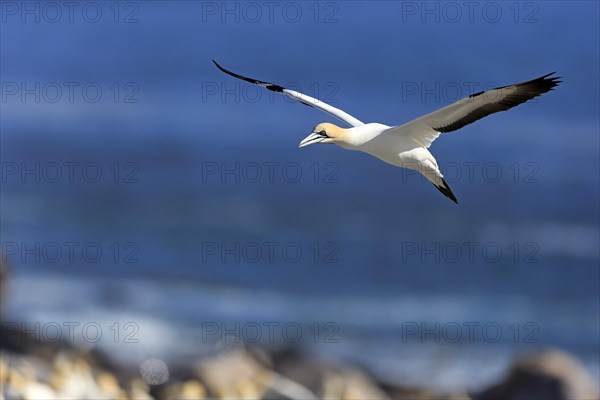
<point>147,193</point>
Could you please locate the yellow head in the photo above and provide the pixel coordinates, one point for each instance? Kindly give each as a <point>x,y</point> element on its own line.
<point>325,133</point>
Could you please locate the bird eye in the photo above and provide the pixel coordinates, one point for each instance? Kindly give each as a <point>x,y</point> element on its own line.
<point>322,133</point>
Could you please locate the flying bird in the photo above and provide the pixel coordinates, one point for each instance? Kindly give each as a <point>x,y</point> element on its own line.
<point>406,145</point>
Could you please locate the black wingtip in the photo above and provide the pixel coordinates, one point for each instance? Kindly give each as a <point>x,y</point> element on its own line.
<point>544,82</point>
<point>221,68</point>
<point>547,79</point>
<point>547,75</point>
<point>267,85</point>
<point>446,191</point>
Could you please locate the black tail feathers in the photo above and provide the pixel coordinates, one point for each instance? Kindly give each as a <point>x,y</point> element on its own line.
<point>445,189</point>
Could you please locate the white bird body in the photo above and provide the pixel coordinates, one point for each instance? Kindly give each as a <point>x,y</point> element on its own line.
<point>398,150</point>
<point>406,146</point>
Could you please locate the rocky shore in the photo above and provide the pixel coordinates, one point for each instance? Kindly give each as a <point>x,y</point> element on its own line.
<point>35,369</point>
<point>64,372</point>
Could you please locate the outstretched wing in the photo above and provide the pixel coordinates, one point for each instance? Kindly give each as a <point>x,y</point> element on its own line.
<point>302,98</point>
<point>426,129</point>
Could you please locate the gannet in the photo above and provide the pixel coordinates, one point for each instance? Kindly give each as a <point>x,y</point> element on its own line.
<point>406,145</point>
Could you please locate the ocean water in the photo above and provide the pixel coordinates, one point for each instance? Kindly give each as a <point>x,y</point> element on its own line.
<point>177,205</point>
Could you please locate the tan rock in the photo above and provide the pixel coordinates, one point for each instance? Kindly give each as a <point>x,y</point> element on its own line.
<point>548,375</point>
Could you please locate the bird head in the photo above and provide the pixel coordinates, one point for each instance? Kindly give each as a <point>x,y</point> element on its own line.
<point>325,133</point>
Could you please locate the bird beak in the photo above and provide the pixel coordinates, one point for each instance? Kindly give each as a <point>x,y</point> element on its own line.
<point>312,139</point>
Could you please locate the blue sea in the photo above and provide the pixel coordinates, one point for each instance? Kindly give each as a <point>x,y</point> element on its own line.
<point>151,198</point>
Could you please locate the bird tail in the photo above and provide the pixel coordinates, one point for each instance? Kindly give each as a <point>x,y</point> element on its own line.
<point>446,191</point>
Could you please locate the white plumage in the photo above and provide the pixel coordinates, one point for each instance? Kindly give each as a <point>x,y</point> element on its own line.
<point>407,145</point>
